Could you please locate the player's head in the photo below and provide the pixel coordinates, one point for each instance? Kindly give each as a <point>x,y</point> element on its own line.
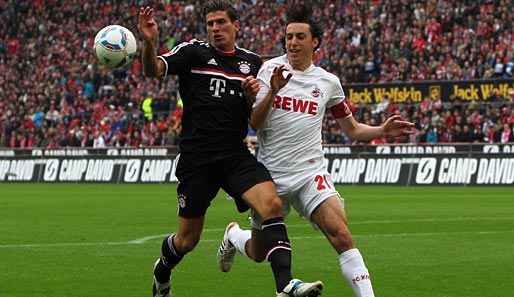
<point>299,13</point>
<point>222,22</point>
<point>221,5</point>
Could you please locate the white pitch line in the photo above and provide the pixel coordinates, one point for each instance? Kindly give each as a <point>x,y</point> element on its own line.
<point>144,239</point>
<point>63,244</point>
<point>418,234</point>
<point>432,220</point>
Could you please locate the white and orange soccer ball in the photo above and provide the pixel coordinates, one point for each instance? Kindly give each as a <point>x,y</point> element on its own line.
<point>115,46</point>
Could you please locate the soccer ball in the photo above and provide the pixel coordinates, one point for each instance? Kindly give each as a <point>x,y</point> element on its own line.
<point>115,46</point>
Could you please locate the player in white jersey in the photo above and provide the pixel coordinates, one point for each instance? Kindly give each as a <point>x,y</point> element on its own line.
<point>288,115</point>
<point>290,138</point>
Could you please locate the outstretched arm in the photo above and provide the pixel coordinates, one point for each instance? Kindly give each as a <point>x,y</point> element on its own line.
<point>152,66</point>
<point>393,127</point>
<point>261,111</point>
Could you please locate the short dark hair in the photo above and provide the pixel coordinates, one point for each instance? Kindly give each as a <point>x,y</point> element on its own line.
<point>299,13</point>
<point>221,5</point>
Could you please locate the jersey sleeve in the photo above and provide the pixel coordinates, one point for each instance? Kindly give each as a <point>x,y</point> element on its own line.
<point>264,77</point>
<point>337,104</point>
<point>178,59</point>
<point>341,110</point>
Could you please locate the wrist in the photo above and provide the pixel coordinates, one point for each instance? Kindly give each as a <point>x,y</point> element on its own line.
<point>273,93</point>
<point>382,133</point>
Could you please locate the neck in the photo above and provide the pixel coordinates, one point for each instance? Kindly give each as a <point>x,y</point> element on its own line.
<point>230,51</point>
<point>301,66</point>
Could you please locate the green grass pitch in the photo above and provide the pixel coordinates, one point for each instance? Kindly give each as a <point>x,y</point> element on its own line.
<point>101,240</point>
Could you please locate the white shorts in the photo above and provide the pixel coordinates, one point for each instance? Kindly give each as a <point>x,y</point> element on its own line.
<point>304,190</point>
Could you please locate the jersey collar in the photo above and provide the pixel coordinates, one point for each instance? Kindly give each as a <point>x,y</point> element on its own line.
<point>226,54</point>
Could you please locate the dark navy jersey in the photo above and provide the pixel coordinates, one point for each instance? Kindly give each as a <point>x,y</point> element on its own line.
<point>215,116</point>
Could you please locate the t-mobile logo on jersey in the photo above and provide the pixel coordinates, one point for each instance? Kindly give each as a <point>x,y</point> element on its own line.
<point>296,105</point>
<point>218,86</point>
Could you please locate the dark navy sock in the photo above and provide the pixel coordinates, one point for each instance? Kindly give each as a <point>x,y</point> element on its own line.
<point>169,259</point>
<point>278,250</point>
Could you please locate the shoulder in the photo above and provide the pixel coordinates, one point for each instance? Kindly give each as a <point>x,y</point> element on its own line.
<point>276,61</point>
<point>325,75</point>
<point>329,82</point>
<point>188,46</point>
<point>270,64</point>
<point>249,56</point>
<point>248,53</point>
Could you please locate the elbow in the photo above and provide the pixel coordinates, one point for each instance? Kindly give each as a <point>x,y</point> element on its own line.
<point>349,131</point>
<point>254,126</point>
<point>150,73</point>
<point>153,68</point>
<point>352,136</point>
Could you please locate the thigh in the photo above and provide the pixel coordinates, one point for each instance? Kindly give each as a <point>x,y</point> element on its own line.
<point>196,188</point>
<point>243,174</point>
<point>313,188</point>
<point>330,217</point>
<point>285,192</point>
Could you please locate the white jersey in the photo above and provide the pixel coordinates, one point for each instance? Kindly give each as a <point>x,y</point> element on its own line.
<point>291,140</point>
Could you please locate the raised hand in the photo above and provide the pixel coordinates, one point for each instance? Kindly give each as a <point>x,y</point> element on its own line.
<point>278,80</point>
<point>147,25</point>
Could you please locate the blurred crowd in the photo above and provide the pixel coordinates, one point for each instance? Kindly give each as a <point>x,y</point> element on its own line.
<point>53,93</point>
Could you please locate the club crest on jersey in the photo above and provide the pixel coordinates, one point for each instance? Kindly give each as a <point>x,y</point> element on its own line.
<point>316,92</point>
<point>244,67</point>
<point>182,200</point>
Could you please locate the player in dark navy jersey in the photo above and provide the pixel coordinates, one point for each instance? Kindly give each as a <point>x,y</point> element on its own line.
<point>215,108</point>
<point>218,88</point>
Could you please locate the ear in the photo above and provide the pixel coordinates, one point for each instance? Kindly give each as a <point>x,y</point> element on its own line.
<point>315,42</point>
<point>236,25</point>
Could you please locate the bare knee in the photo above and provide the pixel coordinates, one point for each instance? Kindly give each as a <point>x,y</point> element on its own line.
<point>188,234</point>
<point>341,240</point>
<point>185,244</point>
<point>263,198</point>
<point>272,208</point>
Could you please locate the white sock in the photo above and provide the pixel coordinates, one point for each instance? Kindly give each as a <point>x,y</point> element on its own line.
<point>355,272</point>
<point>239,237</point>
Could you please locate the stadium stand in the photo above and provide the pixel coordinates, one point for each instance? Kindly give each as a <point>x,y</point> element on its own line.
<point>54,94</point>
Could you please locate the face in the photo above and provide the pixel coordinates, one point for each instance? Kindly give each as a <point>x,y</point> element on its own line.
<point>300,45</point>
<point>221,30</point>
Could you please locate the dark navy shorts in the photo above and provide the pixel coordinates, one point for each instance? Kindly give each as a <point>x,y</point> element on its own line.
<point>235,173</point>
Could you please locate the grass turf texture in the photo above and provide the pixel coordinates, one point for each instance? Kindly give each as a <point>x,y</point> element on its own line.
<point>102,239</point>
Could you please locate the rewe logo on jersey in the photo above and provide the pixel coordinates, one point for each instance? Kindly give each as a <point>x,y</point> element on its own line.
<point>295,105</point>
